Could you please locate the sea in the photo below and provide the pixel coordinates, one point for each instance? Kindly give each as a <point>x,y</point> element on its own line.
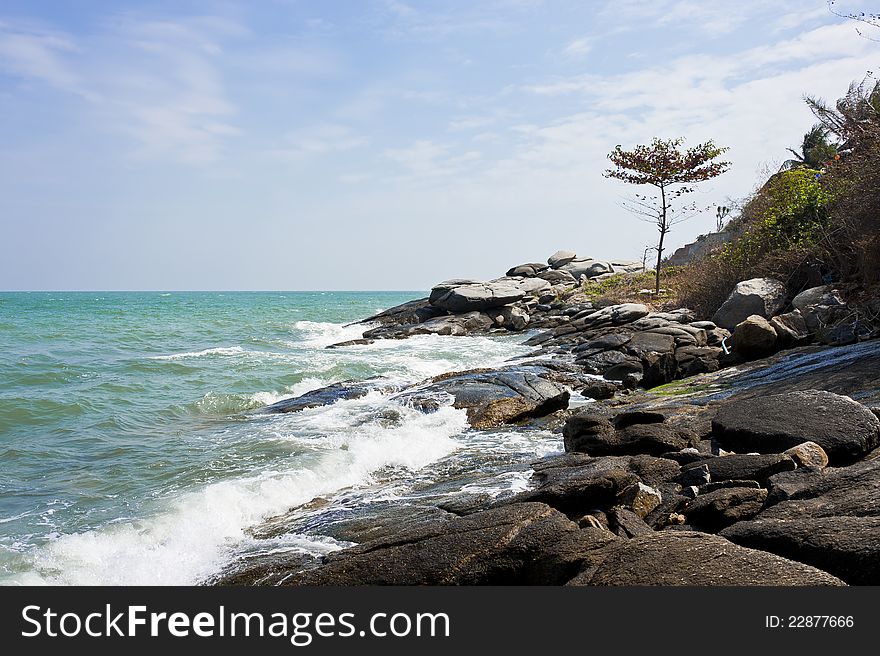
<point>133,449</point>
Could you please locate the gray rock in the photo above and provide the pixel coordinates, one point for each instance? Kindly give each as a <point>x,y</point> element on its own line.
<point>844,428</point>
<point>561,258</point>
<point>848,547</point>
<point>824,295</point>
<point>643,343</point>
<point>761,296</point>
<point>640,498</point>
<point>625,523</point>
<point>349,389</point>
<point>557,277</point>
<point>648,439</point>
<point>511,317</point>
<point>754,338</point>
<point>475,296</point>
<point>492,398</point>
<point>531,286</point>
<point>692,558</point>
<point>693,360</point>
<point>529,270</point>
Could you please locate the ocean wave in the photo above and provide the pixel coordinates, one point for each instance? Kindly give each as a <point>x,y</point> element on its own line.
<point>191,536</point>
<point>319,334</point>
<point>220,350</point>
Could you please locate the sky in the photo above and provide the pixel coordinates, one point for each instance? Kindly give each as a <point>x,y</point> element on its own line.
<point>378,144</point>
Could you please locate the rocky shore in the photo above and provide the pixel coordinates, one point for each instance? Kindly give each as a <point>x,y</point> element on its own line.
<point>737,449</point>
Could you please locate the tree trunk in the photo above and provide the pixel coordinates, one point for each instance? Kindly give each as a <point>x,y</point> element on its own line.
<point>664,228</point>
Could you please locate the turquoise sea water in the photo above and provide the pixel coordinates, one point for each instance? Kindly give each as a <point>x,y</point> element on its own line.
<point>129,452</point>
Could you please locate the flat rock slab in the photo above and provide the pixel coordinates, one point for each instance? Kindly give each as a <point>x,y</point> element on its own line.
<point>848,547</point>
<point>493,398</point>
<point>326,396</point>
<point>740,467</point>
<point>844,428</point>
<point>691,558</point>
<point>516,544</point>
<point>719,508</point>
<point>474,296</point>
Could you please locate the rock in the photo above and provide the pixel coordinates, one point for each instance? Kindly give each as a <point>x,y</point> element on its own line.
<point>522,543</point>
<point>557,277</point>
<point>511,317</point>
<point>598,388</point>
<point>602,343</point>
<point>848,547</point>
<point>457,298</point>
<point>625,523</point>
<point>824,295</point>
<point>694,474</point>
<point>352,342</point>
<point>754,338</point>
<point>580,489</point>
<point>659,369</point>
<point>693,360</point>
<point>641,499</point>
<point>601,364</point>
<point>492,398</point>
<point>443,288</point>
<point>643,343</point>
<point>560,258</point>
<point>808,454</point>
<point>692,558</point>
<point>648,439</point>
<point>852,491</point>
<point>791,329</point>
<point>761,296</point>
<point>844,428</point>
<point>585,267</point>
<point>743,466</point>
<point>406,313</point>
<point>529,270</point>
<point>531,286</point>
<point>705,325</point>
<point>458,324</point>
<point>723,507</point>
<point>345,390</point>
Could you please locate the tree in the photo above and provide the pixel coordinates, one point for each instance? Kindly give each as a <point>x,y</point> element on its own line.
<point>673,172</point>
<point>816,150</point>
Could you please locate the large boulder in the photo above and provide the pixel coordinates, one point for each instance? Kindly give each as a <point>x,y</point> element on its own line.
<point>754,338</point>
<point>844,428</point>
<point>586,267</point>
<point>560,258</point>
<point>791,329</point>
<point>557,277</point>
<point>691,558</point>
<point>722,507</point>
<point>458,298</point>
<point>491,398</point>
<point>515,544</point>
<point>848,547</point>
<point>824,295</point>
<point>528,270</point>
<point>741,467</point>
<point>761,296</point>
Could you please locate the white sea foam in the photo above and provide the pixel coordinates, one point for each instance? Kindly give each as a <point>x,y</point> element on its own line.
<point>220,350</point>
<point>189,537</point>
<point>318,334</point>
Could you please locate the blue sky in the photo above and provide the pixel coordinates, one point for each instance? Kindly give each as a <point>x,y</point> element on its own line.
<point>376,144</point>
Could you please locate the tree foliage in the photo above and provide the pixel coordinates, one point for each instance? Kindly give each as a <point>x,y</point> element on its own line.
<point>673,171</point>
<point>816,150</point>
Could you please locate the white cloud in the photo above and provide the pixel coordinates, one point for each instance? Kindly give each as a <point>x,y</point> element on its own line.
<point>578,47</point>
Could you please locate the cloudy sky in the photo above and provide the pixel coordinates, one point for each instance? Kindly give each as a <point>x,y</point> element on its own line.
<point>376,144</point>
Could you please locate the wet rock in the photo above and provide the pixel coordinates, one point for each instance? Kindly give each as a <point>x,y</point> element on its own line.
<point>492,398</point>
<point>715,510</point>
<point>761,296</point>
<point>349,389</point>
<point>598,388</point>
<point>522,543</point>
<point>352,342</point>
<point>754,338</point>
<point>844,428</point>
<point>808,454</point>
<point>692,558</point>
<point>848,547</point>
<point>742,467</point>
